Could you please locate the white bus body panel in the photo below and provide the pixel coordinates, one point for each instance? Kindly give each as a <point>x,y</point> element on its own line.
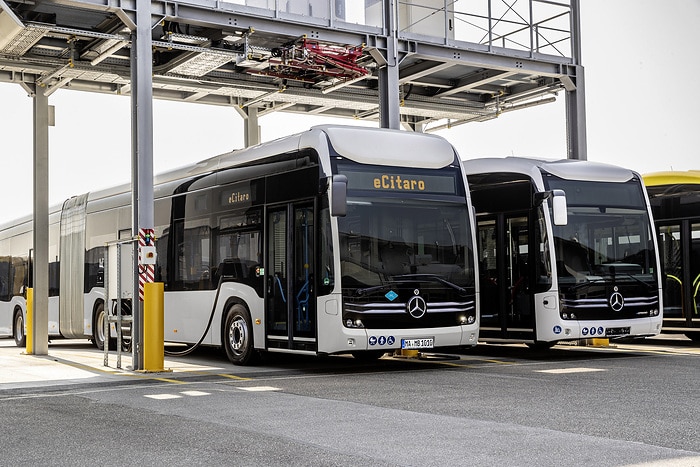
<point>186,315</point>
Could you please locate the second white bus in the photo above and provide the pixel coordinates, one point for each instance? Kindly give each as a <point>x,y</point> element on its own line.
<point>567,251</point>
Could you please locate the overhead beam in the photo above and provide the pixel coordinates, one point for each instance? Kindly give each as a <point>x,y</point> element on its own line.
<point>475,81</point>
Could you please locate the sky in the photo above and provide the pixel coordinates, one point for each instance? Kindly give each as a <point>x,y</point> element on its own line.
<point>640,59</point>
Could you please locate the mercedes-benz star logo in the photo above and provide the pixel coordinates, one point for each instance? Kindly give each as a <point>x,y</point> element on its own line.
<point>416,306</point>
<point>616,301</point>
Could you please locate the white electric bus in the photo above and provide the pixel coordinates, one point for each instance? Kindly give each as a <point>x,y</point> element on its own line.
<point>675,202</point>
<point>566,250</point>
<point>335,240</point>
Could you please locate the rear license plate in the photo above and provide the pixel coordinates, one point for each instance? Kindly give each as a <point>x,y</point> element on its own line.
<point>424,343</point>
<point>613,332</point>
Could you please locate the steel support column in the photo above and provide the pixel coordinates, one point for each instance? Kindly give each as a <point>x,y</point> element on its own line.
<point>576,95</point>
<point>40,269</point>
<point>251,127</point>
<point>142,155</point>
<point>389,103</point>
<point>576,119</point>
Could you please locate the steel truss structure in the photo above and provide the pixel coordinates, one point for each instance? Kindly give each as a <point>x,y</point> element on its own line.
<point>456,63</point>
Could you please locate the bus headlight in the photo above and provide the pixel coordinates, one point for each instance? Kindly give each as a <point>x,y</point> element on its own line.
<point>467,319</point>
<point>349,323</point>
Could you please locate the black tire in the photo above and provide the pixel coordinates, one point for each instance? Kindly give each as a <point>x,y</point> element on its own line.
<point>540,345</point>
<point>693,336</point>
<point>237,338</point>
<point>18,330</point>
<point>98,333</point>
<point>368,355</point>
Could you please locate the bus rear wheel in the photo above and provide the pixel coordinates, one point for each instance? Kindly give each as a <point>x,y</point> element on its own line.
<point>20,337</point>
<point>238,336</point>
<point>98,329</point>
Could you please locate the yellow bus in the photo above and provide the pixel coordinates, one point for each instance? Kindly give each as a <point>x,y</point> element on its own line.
<point>675,202</point>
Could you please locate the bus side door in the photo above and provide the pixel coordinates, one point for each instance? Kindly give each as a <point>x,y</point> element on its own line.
<point>291,299</point>
<point>506,299</point>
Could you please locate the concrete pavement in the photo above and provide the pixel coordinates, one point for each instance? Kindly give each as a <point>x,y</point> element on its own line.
<point>76,361</point>
<point>79,362</point>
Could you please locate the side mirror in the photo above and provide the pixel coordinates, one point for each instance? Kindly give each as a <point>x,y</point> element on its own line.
<point>339,195</point>
<point>559,207</point>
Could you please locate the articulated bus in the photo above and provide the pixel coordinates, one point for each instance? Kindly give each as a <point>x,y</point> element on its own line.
<point>335,240</point>
<point>566,251</point>
<point>675,202</point>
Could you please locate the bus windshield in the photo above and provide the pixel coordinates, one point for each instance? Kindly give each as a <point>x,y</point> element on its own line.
<point>392,241</point>
<point>608,235</point>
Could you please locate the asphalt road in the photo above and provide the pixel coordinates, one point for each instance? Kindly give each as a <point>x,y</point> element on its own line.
<point>494,405</point>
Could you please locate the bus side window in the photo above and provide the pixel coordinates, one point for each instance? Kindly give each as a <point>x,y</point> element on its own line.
<point>4,278</point>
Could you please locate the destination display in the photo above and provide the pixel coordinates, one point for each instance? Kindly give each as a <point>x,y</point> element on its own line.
<point>236,197</point>
<point>395,181</point>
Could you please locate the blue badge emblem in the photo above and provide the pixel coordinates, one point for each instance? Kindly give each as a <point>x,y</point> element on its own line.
<point>390,340</point>
<point>601,330</point>
<point>382,340</point>
<point>557,330</point>
<point>584,331</point>
<point>372,340</point>
<point>391,295</point>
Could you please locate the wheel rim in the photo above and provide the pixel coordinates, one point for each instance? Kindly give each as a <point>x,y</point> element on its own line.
<point>238,335</point>
<point>19,327</point>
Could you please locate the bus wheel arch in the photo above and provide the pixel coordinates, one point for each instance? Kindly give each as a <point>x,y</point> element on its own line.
<point>237,334</point>
<point>18,328</point>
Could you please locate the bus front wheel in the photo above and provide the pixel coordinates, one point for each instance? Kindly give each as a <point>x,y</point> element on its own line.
<point>368,355</point>
<point>693,336</point>
<point>541,345</point>
<point>20,337</point>
<point>238,336</point>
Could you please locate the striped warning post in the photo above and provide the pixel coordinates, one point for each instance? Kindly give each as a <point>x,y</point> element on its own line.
<point>147,272</point>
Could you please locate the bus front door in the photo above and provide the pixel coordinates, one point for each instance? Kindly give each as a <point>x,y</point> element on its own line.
<point>291,312</point>
<point>506,301</point>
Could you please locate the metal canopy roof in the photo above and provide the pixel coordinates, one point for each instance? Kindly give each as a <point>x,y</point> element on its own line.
<point>306,56</point>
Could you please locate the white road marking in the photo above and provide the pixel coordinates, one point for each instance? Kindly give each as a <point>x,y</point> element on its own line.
<point>560,371</point>
<point>195,393</point>
<point>162,396</point>
<point>260,388</point>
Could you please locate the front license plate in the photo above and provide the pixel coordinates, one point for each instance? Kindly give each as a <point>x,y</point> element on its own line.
<point>424,343</point>
<point>614,332</point>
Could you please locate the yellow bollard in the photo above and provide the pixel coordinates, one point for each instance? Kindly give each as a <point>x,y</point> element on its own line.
<point>29,347</point>
<point>153,345</point>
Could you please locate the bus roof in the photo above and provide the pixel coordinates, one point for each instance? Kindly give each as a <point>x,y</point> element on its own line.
<point>568,169</point>
<point>361,144</point>
<point>690,177</point>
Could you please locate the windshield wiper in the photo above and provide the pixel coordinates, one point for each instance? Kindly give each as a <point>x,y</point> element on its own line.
<point>650,287</point>
<point>586,284</point>
<point>376,288</point>
<point>573,288</point>
<point>461,290</point>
